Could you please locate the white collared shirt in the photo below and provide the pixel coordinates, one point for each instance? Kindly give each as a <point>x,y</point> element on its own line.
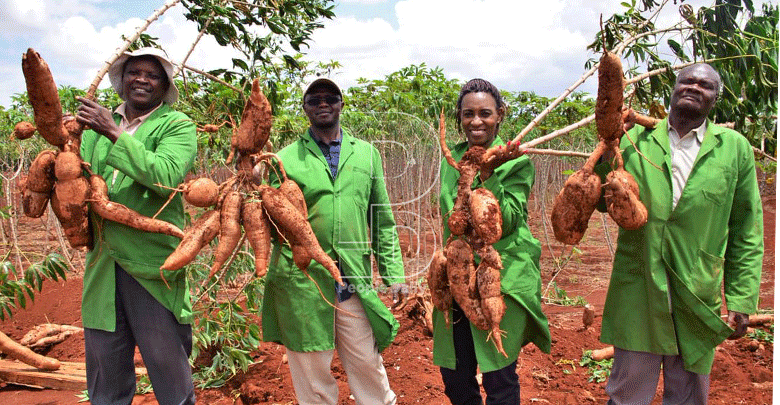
<point>684,151</point>
<point>129,126</point>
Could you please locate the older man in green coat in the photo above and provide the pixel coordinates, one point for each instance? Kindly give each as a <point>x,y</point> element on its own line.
<point>125,303</point>
<point>703,237</point>
<point>349,210</point>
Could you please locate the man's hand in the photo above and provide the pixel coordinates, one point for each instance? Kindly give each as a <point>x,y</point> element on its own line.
<point>400,293</point>
<point>739,322</point>
<point>98,118</point>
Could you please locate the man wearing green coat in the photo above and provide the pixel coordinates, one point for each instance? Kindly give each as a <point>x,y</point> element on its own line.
<point>703,237</point>
<point>125,302</point>
<point>343,184</point>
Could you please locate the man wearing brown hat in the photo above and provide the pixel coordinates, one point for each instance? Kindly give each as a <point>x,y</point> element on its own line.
<point>125,302</point>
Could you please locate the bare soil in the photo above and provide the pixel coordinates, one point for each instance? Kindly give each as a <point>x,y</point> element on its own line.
<point>742,373</point>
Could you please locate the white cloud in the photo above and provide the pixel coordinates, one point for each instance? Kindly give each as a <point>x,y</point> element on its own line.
<point>22,13</point>
<point>466,38</point>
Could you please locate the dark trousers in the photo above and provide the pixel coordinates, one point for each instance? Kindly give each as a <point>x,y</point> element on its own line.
<point>460,385</point>
<point>165,346</point>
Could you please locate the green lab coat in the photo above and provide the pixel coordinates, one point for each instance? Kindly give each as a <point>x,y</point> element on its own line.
<point>521,281</point>
<point>664,295</point>
<point>296,312</point>
<point>162,150</point>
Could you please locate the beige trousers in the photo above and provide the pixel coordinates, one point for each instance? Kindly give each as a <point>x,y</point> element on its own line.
<point>313,382</point>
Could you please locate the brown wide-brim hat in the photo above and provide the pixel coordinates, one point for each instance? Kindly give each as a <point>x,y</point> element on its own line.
<point>116,69</point>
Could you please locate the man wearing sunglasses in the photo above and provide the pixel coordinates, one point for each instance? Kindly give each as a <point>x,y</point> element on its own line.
<point>343,184</point>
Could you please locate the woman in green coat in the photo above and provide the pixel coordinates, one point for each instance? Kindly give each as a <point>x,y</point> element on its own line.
<point>458,348</point>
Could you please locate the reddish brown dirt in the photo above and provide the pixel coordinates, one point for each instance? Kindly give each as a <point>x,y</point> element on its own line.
<point>742,373</point>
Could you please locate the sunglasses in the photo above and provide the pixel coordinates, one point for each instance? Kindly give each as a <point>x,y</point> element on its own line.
<point>315,101</point>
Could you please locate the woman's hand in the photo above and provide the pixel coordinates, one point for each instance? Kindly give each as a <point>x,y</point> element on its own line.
<point>502,155</point>
<point>98,118</point>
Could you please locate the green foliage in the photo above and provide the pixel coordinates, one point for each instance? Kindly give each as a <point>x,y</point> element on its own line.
<point>262,31</point>
<point>416,90</point>
<point>14,291</point>
<point>742,46</point>
<point>522,107</point>
<point>143,385</point>
<point>763,335</point>
<point>598,371</point>
<point>559,296</point>
<point>226,329</point>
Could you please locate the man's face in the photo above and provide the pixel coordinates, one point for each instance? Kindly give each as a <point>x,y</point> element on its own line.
<point>696,90</point>
<point>323,106</point>
<point>144,83</point>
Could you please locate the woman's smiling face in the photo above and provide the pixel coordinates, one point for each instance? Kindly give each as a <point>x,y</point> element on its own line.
<point>479,117</point>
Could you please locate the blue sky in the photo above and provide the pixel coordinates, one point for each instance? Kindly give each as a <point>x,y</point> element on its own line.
<point>519,45</point>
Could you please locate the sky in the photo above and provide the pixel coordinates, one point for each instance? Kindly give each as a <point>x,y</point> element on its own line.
<point>519,45</point>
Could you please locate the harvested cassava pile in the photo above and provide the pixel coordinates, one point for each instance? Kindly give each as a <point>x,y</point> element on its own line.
<point>47,334</point>
<point>247,209</point>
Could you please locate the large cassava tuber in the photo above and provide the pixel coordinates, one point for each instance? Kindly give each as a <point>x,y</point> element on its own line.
<point>438,283</point>
<point>25,355</point>
<point>295,228</point>
<point>258,233</point>
<point>486,215</point>
<point>621,194</point>
<point>39,184</point>
<point>609,100</point>
<point>252,134</point>
<point>41,175</point>
<point>23,130</point>
<point>492,302</point>
<point>117,212</point>
<point>44,99</point>
<point>460,274</point>
<point>202,231</point>
<point>576,202</point>
<point>201,192</point>
<point>229,230</point>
